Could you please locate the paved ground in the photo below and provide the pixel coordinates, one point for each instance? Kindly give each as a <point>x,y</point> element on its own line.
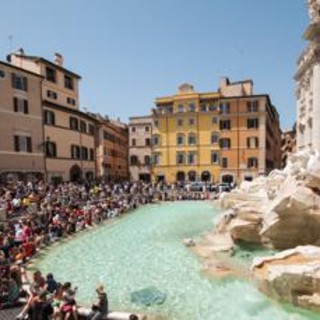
<point>9,314</point>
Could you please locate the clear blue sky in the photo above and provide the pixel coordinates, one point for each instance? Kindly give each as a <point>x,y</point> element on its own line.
<point>131,51</point>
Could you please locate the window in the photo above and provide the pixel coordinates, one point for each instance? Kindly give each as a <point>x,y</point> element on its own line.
<point>133,160</point>
<point>51,149</point>
<point>214,137</point>
<point>224,108</point>
<point>191,121</point>
<point>215,120</point>
<point>180,158</point>
<point>84,153</point>
<point>133,142</point>
<point>203,107</point>
<point>91,158</point>
<point>74,125</point>
<point>156,140</point>
<point>252,163</point>
<point>192,157</point>
<point>2,74</point>
<point>180,108</point>
<point>192,139</point>
<point>75,152</point>
<point>83,126</point>
<point>252,142</point>
<point>156,159</point>
<point>68,82</point>
<point>147,160</point>
<point>253,123</point>
<point>180,122</point>
<point>52,95</point>
<point>50,74</point>
<point>91,129</point>
<point>192,107</point>
<point>214,157</point>
<point>22,144</point>
<point>253,106</point>
<point>147,129</point>
<point>212,107</point>
<point>49,118</point>
<point>224,162</point>
<point>147,142</point>
<point>133,129</point>
<point>225,124</point>
<point>225,143</point>
<point>180,139</point>
<point>156,123</point>
<point>19,82</point>
<point>71,101</point>
<point>169,109</point>
<point>20,105</point>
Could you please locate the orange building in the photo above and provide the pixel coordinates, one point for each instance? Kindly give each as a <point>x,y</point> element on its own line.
<point>112,148</point>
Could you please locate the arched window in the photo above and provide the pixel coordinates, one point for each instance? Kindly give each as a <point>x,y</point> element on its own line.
<point>252,162</point>
<point>192,139</point>
<point>192,176</point>
<point>181,176</point>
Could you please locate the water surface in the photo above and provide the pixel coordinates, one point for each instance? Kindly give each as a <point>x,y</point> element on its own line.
<point>144,249</point>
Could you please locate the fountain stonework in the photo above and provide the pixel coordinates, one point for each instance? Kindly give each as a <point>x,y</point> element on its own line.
<point>282,212</point>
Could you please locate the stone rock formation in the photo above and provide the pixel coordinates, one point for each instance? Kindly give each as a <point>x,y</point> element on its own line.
<point>291,276</point>
<point>280,211</point>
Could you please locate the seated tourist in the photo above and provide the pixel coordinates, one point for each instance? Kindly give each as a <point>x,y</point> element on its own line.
<point>41,307</point>
<point>101,307</point>
<point>51,283</point>
<point>68,307</point>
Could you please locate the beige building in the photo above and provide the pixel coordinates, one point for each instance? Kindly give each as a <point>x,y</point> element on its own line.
<point>68,132</point>
<point>112,148</point>
<point>21,131</point>
<point>140,132</point>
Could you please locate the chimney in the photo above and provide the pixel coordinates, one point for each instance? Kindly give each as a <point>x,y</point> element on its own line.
<point>20,52</point>
<point>58,59</point>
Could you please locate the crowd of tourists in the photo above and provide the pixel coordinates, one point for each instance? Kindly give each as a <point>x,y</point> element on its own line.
<point>36,214</point>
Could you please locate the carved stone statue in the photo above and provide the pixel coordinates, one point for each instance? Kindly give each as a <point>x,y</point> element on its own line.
<point>314,10</point>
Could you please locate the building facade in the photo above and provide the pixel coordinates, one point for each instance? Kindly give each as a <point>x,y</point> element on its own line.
<point>69,134</point>
<point>288,145</point>
<point>229,135</point>
<point>308,84</point>
<point>140,132</point>
<point>112,149</point>
<point>21,130</point>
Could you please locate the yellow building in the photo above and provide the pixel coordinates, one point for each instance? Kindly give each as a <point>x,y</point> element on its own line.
<point>226,136</point>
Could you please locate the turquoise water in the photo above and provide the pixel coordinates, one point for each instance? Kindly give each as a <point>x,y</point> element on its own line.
<point>145,249</point>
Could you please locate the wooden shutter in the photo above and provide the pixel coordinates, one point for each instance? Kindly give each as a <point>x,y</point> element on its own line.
<point>26,106</point>
<point>29,145</point>
<point>15,104</point>
<point>16,143</point>
<point>25,83</point>
<point>13,80</point>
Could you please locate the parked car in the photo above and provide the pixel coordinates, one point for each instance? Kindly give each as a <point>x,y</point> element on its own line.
<point>196,187</point>
<point>224,187</point>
